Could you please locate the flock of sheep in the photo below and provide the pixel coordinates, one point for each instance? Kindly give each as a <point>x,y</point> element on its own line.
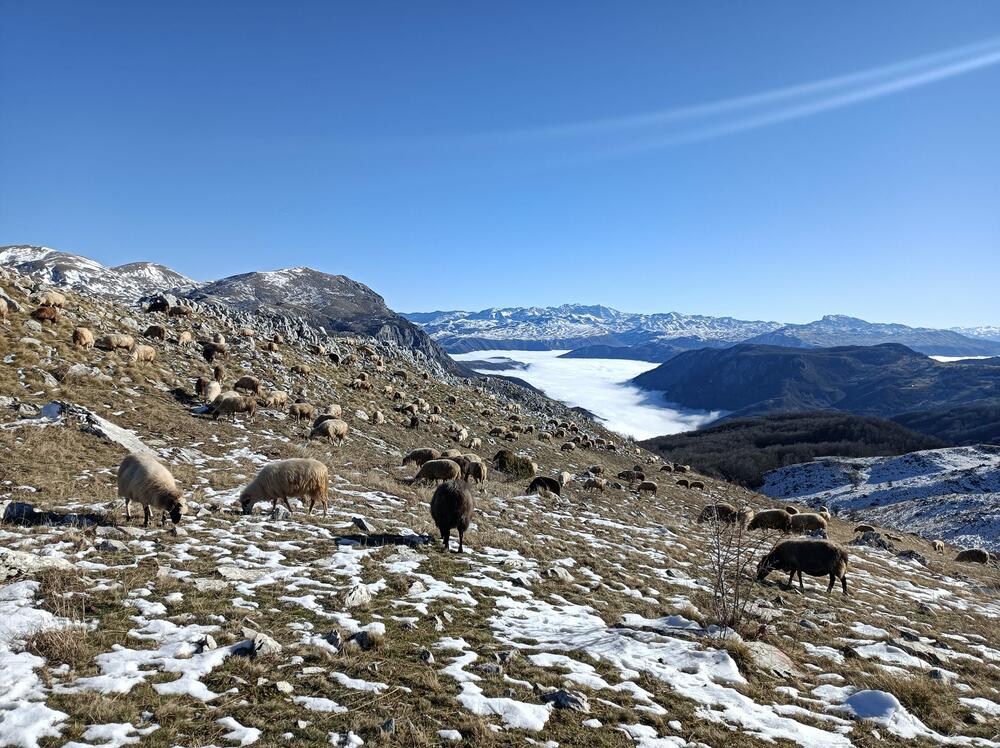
<point>142,479</point>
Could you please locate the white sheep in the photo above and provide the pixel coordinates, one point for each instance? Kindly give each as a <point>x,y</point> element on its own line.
<point>332,429</point>
<point>141,478</point>
<point>277,481</point>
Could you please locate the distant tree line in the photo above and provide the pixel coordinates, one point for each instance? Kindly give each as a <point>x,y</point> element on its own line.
<point>743,449</point>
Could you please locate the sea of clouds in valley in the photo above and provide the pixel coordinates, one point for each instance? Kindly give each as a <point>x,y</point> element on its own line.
<point>601,386</point>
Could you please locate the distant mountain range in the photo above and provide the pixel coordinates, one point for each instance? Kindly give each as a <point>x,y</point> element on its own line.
<point>602,332</point>
<point>886,380</point>
<point>334,302</point>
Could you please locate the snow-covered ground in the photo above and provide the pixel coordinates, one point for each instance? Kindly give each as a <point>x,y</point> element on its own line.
<point>949,359</point>
<point>601,386</point>
<point>953,494</point>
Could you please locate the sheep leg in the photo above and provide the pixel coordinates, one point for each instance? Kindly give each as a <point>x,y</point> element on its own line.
<point>284,500</point>
<point>445,535</point>
<point>801,586</point>
<point>128,514</point>
<point>461,540</point>
<point>312,501</point>
<point>791,580</point>
<point>843,583</point>
<point>145,515</point>
<point>833,578</point>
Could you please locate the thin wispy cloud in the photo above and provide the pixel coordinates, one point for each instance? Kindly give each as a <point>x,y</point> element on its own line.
<point>596,139</point>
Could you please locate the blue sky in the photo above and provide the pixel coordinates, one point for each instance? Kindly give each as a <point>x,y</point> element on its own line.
<point>465,155</point>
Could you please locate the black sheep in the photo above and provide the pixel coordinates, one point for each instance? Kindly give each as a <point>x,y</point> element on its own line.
<point>451,509</point>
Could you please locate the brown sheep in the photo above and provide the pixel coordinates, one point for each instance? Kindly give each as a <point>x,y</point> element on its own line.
<point>209,350</point>
<point>419,456</point>
<point>804,522</point>
<point>973,556</point>
<point>248,384</point>
<point>682,468</point>
<point>230,403</point>
<point>302,369</point>
<point>218,373</point>
<point>438,470</point>
<point>201,386</point>
<point>697,484</point>
<point>937,545</point>
<point>143,354</point>
<point>46,314</point>
<point>334,410</point>
<point>451,509</point>
<point>647,486</point>
<point>791,509</point>
<point>277,481</point>
<point>83,338</point>
<point>771,519</point>
<point>596,470</point>
<point>568,447</point>
<point>332,429</point>
<point>141,478</point>
<point>477,472</point>
<point>276,399</point>
<point>180,311</point>
<point>185,338</point>
<point>155,332</point>
<point>725,513</point>
<point>863,528</point>
<point>683,483</point>
<point>301,411</point>
<point>3,310</point>
<point>668,468</point>
<point>595,483</point>
<point>816,558</point>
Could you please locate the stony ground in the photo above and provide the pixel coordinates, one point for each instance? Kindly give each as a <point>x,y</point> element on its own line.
<point>585,619</point>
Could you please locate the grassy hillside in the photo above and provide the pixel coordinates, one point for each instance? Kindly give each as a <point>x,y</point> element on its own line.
<point>743,449</point>
<point>599,600</point>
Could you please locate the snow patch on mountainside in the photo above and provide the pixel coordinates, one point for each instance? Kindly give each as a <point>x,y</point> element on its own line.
<point>953,493</point>
<point>75,272</point>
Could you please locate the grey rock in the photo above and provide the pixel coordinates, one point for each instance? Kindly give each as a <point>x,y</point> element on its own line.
<point>110,545</point>
<point>873,540</point>
<point>333,638</point>
<point>207,642</point>
<point>909,555</point>
<point>15,564</point>
<point>358,597</point>
<point>365,526</point>
<point>807,624</point>
<point>427,656</point>
<point>259,644</point>
<point>772,660</point>
<point>939,675</point>
<point>563,699</point>
<point>560,573</point>
<point>239,574</point>
<point>388,727</point>
<point>283,686</point>
<point>209,585</point>
<point>280,514</point>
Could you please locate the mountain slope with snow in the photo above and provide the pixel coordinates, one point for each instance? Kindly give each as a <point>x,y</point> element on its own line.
<point>953,493</point>
<point>575,326</point>
<point>64,270</point>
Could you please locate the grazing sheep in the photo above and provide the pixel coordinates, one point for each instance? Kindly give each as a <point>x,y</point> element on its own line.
<point>276,399</point>
<point>158,304</point>
<point>185,338</point>
<point>271,347</point>
<point>544,483</point>
<point>378,417</point>
<point>697,484</point>
<point>568,446</point>
<point>180,311</point>
<point>155,332</point>
<point>791,509</point>
<point>683,483</point>
<point>143,354</point>
<point>452,453</point>
<point>334,410</point>
<point>544,436</point>
<point>278,481</point>
<point>804,522</point>
<point>301,369</point>
<point>596,470</point>
<point>414,423</point>
<point>647,486</point>
<point>771,519</point>
<point>973,556</point>
<point>213,391</point>
<point>218,337</point>
<point>141,478</point>
<point>83,337</point>
<point>475,443</point>
<point>682,468</point>
<point>476,471</point>
<point>668,468</point>
<point>438,470</point>
<point>565,478</point>
<point>218,373</point>
<point>937,545</point>
<point>863,528</point>
<point>816,558</point>
<point>46,314</point>
<point>277,339</point>
<point>230,403</point>
<point>52,298</point>
<point>451,509</point>
<point>201,386</point>
<point>209,350</point>
<point>420,456</point>
<point>332,429</point>
<point>595,483</point>
<point>301,411</point>
<point>3,310</point>
<point>725,513</point>
<point>248,384</point>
